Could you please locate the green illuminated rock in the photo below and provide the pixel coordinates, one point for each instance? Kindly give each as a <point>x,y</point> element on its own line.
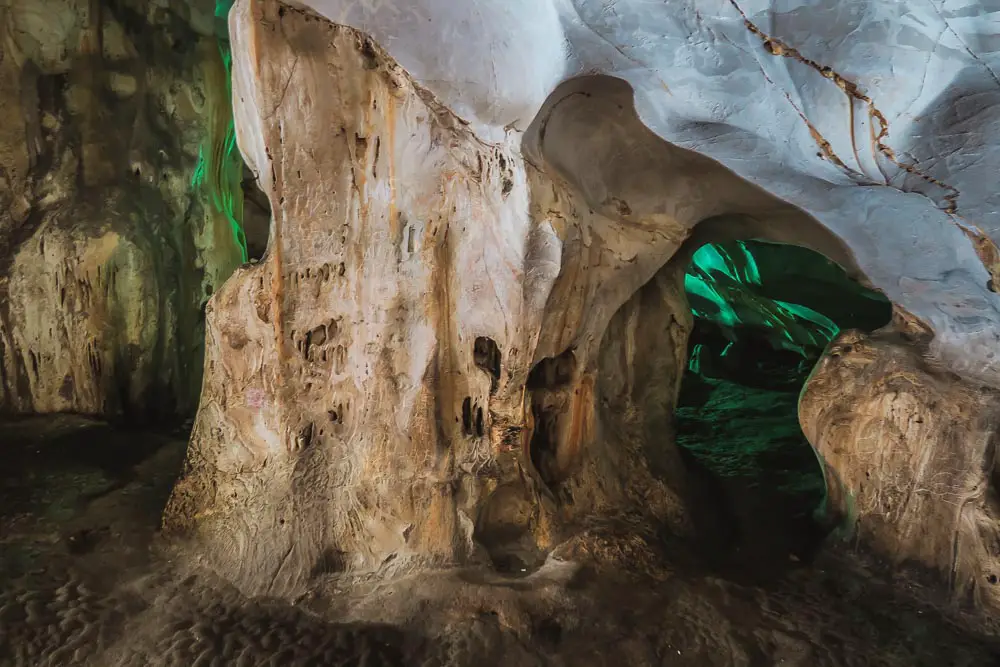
<point>797,299</point>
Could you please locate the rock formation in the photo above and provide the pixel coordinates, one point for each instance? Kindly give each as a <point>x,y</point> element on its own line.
<point>911,454</point>
<point>365,399</point>
<point>861,118</point>
<point>465,345</point>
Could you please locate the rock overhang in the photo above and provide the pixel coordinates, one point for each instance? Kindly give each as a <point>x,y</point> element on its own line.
<point>872,118</point>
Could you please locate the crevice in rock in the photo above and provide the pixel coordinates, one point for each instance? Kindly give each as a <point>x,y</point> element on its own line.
<point>256,216</point>
<point>467,416</point>
<point>503,528</point>
<point>550,386</point>
<point>487,357</point>
<point>553,372</point>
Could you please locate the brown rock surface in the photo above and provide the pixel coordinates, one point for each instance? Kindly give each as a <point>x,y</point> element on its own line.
<point>107,253</point>
<point>911,453</point>
<point>370,398</point>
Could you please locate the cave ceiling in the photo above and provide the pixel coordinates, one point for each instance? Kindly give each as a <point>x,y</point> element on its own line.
<point>876,118</point>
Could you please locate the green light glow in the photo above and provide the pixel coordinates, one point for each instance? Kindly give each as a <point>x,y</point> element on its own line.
<point>694,365</point>
<point>754,302</point>
<point>725,276</point>
<point>220,166</point>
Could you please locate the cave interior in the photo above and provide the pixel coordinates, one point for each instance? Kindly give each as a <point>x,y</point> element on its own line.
<point>310,354</point>
<point>763,314</point>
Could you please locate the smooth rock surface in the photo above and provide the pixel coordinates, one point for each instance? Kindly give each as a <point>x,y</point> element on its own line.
<point>911,459</point>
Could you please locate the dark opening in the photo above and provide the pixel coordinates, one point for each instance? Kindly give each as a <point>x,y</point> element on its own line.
<point>467,416</point>
<point>552,372</point>
<point>763,313</point>
<point>486,356</point>
<point>549,382</point>
<point>256,216</point>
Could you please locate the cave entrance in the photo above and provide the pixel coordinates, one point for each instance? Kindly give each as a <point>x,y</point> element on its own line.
<point>763,314</point>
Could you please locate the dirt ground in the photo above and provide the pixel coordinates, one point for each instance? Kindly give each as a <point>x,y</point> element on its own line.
<point>84,581</point>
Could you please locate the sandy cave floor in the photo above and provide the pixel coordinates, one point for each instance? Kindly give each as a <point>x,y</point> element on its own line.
<point>83,581</point>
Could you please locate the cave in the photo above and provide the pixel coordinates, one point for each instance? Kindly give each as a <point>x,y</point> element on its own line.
<point>521,333</point>
<point>763,315</point>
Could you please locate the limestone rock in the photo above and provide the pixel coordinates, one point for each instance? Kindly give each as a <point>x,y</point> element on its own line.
<point>645,120</point>
<point>465,339</point>
<point>458,349</point>
<point>911,456</point>
<point>377,393</point>
<point>107,251</point>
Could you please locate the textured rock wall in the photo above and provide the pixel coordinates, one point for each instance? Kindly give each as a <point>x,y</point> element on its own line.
<point>451,354</point>
<point>376,393</point>
<point>342,399</point>
<point>912,453</point>
<point>107,253</point>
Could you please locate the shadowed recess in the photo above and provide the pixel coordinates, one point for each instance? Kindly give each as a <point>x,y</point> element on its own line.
<point>763,314</point>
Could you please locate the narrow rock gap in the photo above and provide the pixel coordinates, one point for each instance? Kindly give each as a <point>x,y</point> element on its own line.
<point>763,314</point>
<point>256,217</point>
<point>487,357</point>
<point>550,387</point>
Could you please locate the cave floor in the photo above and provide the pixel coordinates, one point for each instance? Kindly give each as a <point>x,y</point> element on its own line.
<point>83,581</point>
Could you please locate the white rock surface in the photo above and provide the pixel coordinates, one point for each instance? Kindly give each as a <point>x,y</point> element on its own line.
<point>703,80</point>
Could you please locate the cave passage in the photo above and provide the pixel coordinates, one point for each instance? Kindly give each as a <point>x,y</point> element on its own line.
<point>763,313</point>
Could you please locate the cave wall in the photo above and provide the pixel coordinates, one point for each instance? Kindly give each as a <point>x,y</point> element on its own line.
<point>910,450</point>
<point>107,250</point>
<point>479,362</point>
<point>449,354</point>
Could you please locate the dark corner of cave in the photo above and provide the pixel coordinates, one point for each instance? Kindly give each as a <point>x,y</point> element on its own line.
<point>125,204</point>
